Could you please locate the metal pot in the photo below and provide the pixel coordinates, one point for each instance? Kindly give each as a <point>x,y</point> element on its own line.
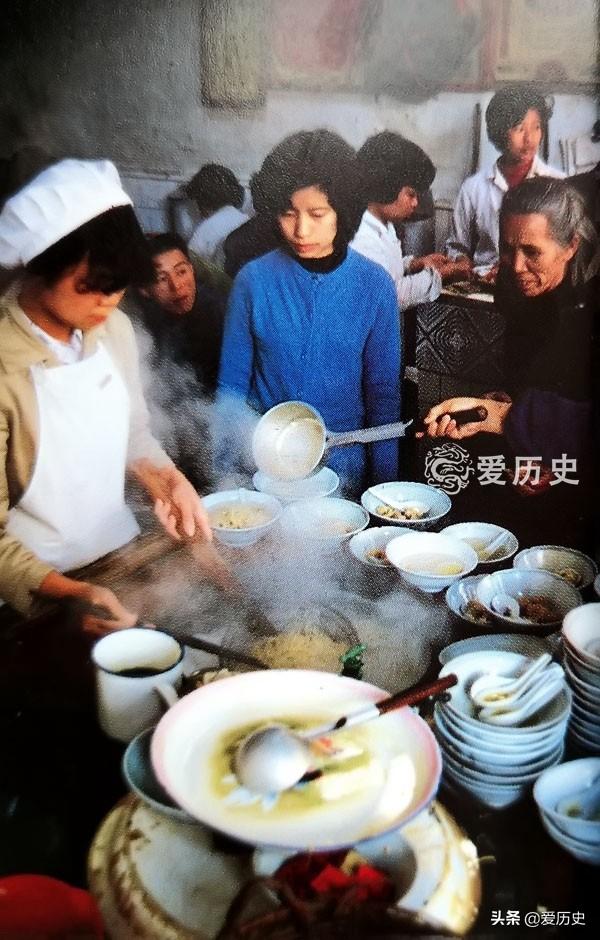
<point>291,439</point>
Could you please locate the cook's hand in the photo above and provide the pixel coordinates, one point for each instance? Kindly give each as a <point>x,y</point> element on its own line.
<point>439,422</point>
<point>181,513</point>
<point>103,611</point>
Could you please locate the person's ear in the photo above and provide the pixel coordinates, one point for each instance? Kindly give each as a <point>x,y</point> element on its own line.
<point>573,247</point>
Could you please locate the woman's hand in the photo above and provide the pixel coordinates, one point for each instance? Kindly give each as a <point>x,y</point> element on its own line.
<point>177,505</point>
<point>439,422</point>
<point>180,510</point>
<point>102,611</point>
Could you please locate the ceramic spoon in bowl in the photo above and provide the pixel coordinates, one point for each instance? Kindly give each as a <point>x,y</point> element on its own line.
<point>492,547</point>
<point>275,758</point>
<point>491,688</point>
<point>400,504</point>
<point>522,708</point>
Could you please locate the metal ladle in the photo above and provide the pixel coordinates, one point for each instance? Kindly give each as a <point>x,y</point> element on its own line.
<point>275,758</point>
<point>290,439</point>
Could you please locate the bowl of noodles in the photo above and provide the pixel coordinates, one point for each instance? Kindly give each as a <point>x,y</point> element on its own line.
<point>241,517</point>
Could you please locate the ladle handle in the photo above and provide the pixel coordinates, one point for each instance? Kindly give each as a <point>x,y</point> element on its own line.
<point>384,432</point>
<point>416,693</point>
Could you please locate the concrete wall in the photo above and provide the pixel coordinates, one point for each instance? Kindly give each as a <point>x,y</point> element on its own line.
<point>122,80</point>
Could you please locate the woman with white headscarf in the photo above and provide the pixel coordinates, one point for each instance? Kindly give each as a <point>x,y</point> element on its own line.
<point>73,420</point>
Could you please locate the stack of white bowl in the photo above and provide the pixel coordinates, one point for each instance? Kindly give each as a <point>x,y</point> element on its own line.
<point>496,764</point>
<point>581,645</point>
<point>561,794</point>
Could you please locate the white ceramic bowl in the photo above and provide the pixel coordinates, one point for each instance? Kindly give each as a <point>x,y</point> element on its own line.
<point>137,770</point>
<point>439,503</point>
<point>519,584</point>
<point>403,551</point>
<point>399,779</point>
<point>531,646</point>
<point>581,630</point>
<point>241,497</point>
<point>568,780</point>
<point>370,539</point>
<point>575,847</point>
<point>327,522</point>
<point>489,795</point>
<point>322,483</point>
<point>586,676</point>
<point>460,594</point>
<point>480,534</point>
<point>483,751</point>
<point>558,560</point>
<point>488,662</point>
<point>487,738</point>
<point>597,585</point>
<point>490,775</point>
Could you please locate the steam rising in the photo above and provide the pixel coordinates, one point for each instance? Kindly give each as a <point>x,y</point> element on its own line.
<point>293,582</point>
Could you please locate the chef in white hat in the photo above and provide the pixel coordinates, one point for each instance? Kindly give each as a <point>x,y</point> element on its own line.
<point>73,420</point>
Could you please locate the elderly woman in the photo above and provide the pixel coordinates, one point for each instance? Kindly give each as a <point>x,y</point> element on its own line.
<point>547,287</point>
<point>516,120</point>
<point>313,320</point>
<point>72,415</point>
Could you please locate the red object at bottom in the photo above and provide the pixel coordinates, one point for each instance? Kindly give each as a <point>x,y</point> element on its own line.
<point>40,907</point>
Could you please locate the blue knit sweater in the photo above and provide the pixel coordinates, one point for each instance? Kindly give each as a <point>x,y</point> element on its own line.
<point>331,340</point>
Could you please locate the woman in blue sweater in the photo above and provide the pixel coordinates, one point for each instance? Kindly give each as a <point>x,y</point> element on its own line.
<point>313,320</point>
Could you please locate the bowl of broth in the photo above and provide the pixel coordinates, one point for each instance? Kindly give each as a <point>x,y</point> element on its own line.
<point>241,517</point>
<point>431,561</point>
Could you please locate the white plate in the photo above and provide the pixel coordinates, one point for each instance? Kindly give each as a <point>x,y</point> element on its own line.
<point>399,778</point>
<point>322,483</point>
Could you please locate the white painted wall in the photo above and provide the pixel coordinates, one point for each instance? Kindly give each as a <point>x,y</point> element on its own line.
<point>122,80</point>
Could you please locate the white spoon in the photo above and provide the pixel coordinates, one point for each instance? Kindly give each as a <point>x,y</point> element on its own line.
<point>275,758</point>
<point>400,504</point>
<point>526,705</point>
<point>505,605</point>
<point>491,688</point>
<point>493,546</point>
<point>582,805</point>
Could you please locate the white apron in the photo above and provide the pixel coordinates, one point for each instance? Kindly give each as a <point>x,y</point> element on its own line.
<point>74,510</point>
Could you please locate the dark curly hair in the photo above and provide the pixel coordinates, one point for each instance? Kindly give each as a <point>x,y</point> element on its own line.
<point>387,162</point>
<point>509,106</point>
<point>215,186</point>
<point>318,158</point>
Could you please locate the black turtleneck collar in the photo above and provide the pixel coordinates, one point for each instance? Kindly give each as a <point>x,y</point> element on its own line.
<point>321,265</point>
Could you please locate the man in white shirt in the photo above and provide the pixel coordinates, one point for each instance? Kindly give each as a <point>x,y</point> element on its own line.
<point>219,197</point>
<point>394,173</point>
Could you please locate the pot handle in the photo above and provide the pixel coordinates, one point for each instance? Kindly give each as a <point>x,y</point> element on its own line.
<point>384,432</point>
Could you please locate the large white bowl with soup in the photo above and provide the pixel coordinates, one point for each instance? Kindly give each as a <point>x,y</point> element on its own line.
<point>431,561</point>
<point>382,773</point>
<point>241,517</point>
<point>423,506</point>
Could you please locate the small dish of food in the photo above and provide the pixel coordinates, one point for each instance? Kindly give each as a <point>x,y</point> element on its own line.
<point>485,535</point>
<point>328,521</point>
<point>461,598</point>
<point>369,546</point>
<point>241,517</point>
<point>414,505</point>
<point>567,563</point>
<point>527,601</point>
<point>431,561</point>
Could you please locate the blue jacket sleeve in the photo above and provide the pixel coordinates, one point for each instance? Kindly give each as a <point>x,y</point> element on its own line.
<point>544,424</point>
<point>382,368</point>
<point>237,351</point>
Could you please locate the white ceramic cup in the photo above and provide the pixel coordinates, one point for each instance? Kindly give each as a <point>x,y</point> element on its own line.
<point>130,704</point>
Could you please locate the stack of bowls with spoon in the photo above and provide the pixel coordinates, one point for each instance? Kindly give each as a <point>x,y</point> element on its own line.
<point>581,646</point>
<point>504,723</point>
<point>568,800</point>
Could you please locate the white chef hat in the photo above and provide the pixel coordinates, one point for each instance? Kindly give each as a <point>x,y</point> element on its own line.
<point>53,204</point>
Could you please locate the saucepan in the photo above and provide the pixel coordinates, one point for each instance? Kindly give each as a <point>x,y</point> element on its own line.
<point>290,439</point>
